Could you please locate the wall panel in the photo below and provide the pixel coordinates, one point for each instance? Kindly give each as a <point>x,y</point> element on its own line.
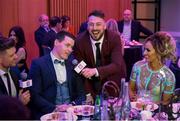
<point>24,13</point>
<point>76,9</point>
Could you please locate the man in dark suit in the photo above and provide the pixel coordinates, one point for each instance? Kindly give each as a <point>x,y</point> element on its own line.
<point>54,80</point>
<point>9,84</point>
<point>105,62</point>
<point>83,27</point>
<point>55,25</point>
<point>41,32</point>
<point>131,29</point>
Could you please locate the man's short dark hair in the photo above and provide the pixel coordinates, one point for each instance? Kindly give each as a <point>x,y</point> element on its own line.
<point>61,35</point>
<point>54,21</point>
<point>97,13</point>
<point>6,43</point>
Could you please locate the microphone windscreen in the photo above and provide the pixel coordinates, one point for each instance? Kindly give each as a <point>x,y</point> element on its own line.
<point>23,75</point>
<point>75,62</point>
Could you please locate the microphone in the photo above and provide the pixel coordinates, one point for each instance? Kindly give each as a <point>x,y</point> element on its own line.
<point>24,82</point>
<point>79,66</point>
<point>75,62</point>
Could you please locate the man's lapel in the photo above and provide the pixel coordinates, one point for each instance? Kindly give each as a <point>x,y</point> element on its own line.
<point>51,68</point>
<point>2,87</point>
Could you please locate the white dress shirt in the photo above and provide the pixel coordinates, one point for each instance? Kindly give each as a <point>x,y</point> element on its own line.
<point>59,69</point>
<point>94,49</point>
<point>127,31</point>
<point>13,88</point>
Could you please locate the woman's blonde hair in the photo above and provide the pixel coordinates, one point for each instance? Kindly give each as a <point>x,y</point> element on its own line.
<point>164,45</point>
<point>112,25</point>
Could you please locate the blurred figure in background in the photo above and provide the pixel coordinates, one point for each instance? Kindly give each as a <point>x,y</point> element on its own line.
<point>175,68</point>
<point>17,33</point>
<point>83,27</point>
<point>66,24</point>
<point>55,27</point>
<point>13,109</point>
<point>111,24</point>
<point>151,75</point>
<point>131,29</point>
<point>41,32</point>
<point>1,34</point>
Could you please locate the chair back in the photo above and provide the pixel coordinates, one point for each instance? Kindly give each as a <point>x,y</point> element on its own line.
<point>110,88</point>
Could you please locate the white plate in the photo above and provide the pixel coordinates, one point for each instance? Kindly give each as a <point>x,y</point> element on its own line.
<point>137,106</point>
<point>57,116</point>
<point>78,110</point>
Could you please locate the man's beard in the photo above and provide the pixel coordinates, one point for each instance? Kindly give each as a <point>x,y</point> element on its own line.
<point>97,39</point>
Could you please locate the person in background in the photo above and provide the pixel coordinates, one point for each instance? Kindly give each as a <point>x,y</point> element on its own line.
<point>151,75</point>
<point>41,32</point>
<point>130,28</point>
<point>55,27</point>
<point>13,109</point>
<point>54,81</point>
<point>83,27</point>
<point>175,68</point>
<point>9,84</point>
<point>17,33</point>
<point>112,25</point>
<point>101,50</point>
<point>66,24</point>
<point>1,34</point>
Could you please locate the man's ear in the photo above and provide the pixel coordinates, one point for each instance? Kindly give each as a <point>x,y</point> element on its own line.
<point>105,26</point>
<point>56,42</point>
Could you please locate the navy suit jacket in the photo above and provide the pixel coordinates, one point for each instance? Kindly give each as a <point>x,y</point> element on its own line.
<point>3,90</point>
<point>39,38</point>
<point>136,29</point>
<point>44,86</point>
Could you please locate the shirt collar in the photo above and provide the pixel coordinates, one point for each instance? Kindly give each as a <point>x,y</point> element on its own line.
<point>54,30</point>
<point>3,72</point>
<point>100,41</point>
<point>53,57</point>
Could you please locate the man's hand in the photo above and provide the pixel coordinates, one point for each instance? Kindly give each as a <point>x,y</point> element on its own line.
<point>88,72</point>
<point>24,96</point>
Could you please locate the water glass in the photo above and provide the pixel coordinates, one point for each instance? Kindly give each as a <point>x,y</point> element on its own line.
<point>144,96</point>
<point>85,111</point>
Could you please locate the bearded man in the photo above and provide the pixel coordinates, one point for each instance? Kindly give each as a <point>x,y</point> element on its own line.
<point>101,50</point>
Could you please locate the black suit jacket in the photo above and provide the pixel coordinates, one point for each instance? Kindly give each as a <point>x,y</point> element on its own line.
<point>49,38</point>
<point>83,27</point>
<point>136,29</point>
<point>44,86</point>
<point>3,90</point>
<point>39,38</point>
